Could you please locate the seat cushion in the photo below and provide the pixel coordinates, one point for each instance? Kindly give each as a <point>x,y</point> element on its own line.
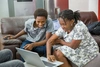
<point>94,63</point>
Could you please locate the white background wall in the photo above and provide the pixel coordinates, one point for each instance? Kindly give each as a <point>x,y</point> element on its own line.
<point>81,5</point>
<point>84,5</point>
<point>93,6</point>
<point>21,8</point>
<point>24,8</point>
<point>4,8</point>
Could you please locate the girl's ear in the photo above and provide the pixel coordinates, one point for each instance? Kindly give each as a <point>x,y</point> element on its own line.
<point>72,22</point>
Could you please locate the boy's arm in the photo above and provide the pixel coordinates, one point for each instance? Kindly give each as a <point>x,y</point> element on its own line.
<point>40,43</point>
<point>22,32</point>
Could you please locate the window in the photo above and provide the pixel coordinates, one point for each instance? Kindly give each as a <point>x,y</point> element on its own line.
<point>24,0</point>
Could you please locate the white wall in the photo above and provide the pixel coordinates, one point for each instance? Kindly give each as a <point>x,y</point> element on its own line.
<point>93,6</point>
<point>84,5</point>
<point>24,8</point>
<point>4,8</point>
<point>81,5</point>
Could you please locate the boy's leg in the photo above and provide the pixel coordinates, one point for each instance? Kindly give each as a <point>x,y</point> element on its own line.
<point>24,43</point>
<point>12,63</point>
<point>41,50</point>
<point>5,55</point>
<point>22,47</point>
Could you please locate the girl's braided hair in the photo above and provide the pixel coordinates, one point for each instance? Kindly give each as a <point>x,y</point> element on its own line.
<point>69,14</point>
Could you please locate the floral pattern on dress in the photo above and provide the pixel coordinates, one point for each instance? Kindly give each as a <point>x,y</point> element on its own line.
<point>88,48</point>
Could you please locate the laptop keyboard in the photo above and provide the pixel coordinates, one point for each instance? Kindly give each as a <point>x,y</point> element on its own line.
<point>48,64</point>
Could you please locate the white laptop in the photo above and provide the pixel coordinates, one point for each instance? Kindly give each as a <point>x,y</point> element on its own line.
<point>33,58</point>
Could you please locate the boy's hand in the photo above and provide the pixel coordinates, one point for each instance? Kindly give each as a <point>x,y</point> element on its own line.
<point>9,37</point>
<point>28,47</point>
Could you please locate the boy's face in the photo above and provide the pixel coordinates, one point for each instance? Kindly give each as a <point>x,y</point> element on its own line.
<point>40,21</point>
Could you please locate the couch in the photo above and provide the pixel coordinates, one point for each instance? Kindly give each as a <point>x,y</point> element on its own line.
<point>90,17</point>
<point>13,25</point>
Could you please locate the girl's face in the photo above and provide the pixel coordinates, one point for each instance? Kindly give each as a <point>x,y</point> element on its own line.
<point>66,25</point>
<point>40,21</point>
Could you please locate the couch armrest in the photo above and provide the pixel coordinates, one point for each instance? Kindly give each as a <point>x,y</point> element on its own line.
<point>12,42</point>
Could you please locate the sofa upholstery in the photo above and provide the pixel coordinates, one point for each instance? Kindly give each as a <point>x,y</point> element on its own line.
<point>13,25</point>
<point>90,17</point>
<point>93,63</point>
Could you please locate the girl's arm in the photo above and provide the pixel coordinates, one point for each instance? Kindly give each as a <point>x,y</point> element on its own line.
<point>50,43</point>
<point>73,44</point>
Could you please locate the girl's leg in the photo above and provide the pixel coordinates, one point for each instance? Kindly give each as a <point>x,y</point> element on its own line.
<point>12,63</point>
<point>60,57</point>
<point>5,55</point>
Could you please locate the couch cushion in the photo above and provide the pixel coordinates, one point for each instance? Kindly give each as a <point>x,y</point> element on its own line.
<point>93,63</point>
<point>97,39</point>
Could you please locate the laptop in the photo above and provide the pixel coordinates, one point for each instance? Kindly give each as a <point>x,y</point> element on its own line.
<point>34,59</point>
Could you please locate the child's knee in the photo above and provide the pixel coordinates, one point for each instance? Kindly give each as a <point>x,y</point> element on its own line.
<point>8,53</point>
<point>58,53</point>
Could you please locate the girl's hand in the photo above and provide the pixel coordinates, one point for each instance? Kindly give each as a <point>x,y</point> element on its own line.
<point>59,41</point>
<point>51,58</point>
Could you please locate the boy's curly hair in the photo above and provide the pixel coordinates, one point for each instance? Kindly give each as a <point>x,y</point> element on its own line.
<point>40,12</point>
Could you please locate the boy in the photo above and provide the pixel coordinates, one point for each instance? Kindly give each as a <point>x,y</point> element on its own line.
<point>38,30</point>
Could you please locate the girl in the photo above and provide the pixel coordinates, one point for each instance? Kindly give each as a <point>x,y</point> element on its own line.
<point>78,46</point>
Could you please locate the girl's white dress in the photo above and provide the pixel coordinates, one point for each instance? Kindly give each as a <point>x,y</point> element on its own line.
<point>88,48</point>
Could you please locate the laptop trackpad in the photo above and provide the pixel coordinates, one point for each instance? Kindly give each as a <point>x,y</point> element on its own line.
<point>48,64</point>
<point>51,64</point>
